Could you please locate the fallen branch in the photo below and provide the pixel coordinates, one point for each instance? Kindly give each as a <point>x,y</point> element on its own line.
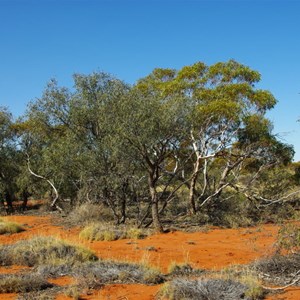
<point>282,287</point>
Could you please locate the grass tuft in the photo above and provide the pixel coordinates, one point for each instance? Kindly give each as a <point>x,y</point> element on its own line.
<point>203,289</point>
<point>44,251</point>
<point>95,274</point>
<point>22,283</point>
<point>89,212</point>
<point>104,232</point>
<point>7,227</point>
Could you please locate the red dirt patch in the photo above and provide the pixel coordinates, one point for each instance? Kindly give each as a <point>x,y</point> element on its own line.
<point>129,291</point>
<point>213,249</point>
<point>13,269</point>
<point>8,296</point>
<point>291,293</point>
<point>62,281</point>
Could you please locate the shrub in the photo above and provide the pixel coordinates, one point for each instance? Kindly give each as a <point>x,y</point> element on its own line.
<point>203,289</point>
<point>87,213</point>
<point>105,232</point>
<point>288,237</point>
<point>9,227</point>
<point>279,269</point>
<point>183,269</point>
<point>135,233</point>
<point>22,283</point>
<point>100,232</point>
<point>95,274</point>
<point>73,292</point>
<point>43,251</point>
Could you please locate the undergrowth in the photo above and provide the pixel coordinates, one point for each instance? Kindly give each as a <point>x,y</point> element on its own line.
<point>9,227</point>
<point>44,251</point>
<point>104,232</point>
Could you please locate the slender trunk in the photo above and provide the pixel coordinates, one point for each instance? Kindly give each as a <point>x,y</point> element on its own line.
<point>192,191</point>
<point>154,202</point>
<point>25,196</point>
<point>8,200</point>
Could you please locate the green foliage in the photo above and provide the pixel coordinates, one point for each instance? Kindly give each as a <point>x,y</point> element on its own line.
<point>132,149</point>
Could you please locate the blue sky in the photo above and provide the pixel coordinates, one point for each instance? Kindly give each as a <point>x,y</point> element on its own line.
<point>42,39</point>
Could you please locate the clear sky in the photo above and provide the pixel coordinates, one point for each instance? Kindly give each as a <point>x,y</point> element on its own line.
<point>42,39</point>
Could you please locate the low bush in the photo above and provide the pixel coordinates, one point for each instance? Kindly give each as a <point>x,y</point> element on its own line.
<point>87,213</point>
<point>105,232</point>
<point>279,269</point>
<point>9,227</point>
<point>288,239</point>
<point>95,274</point>
<point>22,283</point>
<point>203,289</point>
<point>44,251</point>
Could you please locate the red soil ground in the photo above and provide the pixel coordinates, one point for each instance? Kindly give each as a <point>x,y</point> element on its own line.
<point>213,249</point>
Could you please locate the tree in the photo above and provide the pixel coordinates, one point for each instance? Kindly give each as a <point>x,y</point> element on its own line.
<point>152,125</point>
<point>9,159</point>
<point>225,122</point>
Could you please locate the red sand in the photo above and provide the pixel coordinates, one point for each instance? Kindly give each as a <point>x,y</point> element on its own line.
<point>216,248</point>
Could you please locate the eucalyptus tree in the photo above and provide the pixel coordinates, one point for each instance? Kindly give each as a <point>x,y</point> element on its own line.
<point>226,123</point>
<point>152,126</point>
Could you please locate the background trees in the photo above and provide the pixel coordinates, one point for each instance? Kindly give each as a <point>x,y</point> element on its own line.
<point>197,136</point>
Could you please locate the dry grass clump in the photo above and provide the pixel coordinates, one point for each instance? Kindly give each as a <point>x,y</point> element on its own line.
<point>183,269</point>
<point>279,269</point>
<point>203,289</point>
<point>95,274</point>
<point>44,251</point>
<point>22,283</point>
<point>105,232</point>
<point>9,227</point>
<point>87,213</point>
<point>288,239</point>
<point>73,292</point>
<point>48,294</point>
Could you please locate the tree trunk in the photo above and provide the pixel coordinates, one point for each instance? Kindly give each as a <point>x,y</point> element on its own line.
<point>123,202</point>
<point>154,204</point>
<point>192,191</point>
<point>8,200</point>
<point>25,196</point>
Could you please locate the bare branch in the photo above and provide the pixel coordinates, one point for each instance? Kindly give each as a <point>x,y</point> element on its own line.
<point>53,204</point>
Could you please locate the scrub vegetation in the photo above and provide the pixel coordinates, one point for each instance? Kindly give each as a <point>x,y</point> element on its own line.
<point>180,149</point>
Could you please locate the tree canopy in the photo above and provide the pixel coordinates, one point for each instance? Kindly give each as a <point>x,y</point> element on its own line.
<point>197,137</point>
